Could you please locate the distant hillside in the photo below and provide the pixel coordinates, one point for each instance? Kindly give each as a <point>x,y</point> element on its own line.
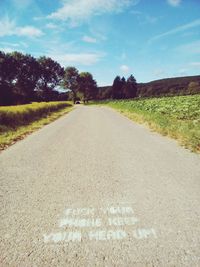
<point>170,86</point>
<point>164,87</point>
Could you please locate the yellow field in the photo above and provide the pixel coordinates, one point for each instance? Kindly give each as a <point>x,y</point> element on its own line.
<point>18,121</point>
<point>14,116</point>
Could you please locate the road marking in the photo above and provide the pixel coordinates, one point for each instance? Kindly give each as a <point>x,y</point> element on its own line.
<point>74,222</point>
<point>107,235</point>
<point>120,221</point>
<point>80,212</point>
<point>93,224</point>
<point>117,210</point>
<point>63,236</point>
<point>144,233</point>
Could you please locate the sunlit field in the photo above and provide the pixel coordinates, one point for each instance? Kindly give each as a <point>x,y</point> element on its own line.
<point>177,117</point>
<point>18,121</point>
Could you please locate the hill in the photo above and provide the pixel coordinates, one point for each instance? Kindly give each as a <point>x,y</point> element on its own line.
<point>164,87</point>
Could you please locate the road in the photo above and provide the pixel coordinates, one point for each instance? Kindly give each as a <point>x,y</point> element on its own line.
<point>95,189</point>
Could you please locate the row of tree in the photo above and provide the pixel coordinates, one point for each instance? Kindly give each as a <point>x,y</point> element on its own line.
<point>123,89</point>
<point>120,89</point>
<point>24,79</point>
<point>81,85</point>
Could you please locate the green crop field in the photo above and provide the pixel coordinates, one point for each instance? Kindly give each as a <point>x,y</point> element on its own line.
<point>18,121</point>
<point>177,117</point>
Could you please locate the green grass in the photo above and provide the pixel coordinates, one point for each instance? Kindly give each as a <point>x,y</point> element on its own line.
<point>18,121</point>
<point>177,117</point>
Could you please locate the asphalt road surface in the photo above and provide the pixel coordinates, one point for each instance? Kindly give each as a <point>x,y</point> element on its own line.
<point>95,189</point>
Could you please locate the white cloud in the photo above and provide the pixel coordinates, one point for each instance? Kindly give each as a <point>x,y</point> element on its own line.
<point>182,72</point>
<point>28,31</point>
<point>144,18</point>
<point>10,44</point>
<point>159,73</point>
<point>85,59</point>
<point>22,4</point>
<point>8,28</point>
<point>7,49</point>
<point>174,2</point>
<point>136,12</point>
<point>125,69</point>
<point>51,26</point>
<point>89,39</point>
<point>178,29</point>
<point>189,48</point>
<point>187,68</point>
<point>77,11</point>
<point>10,49</point>
<point>123,56</point>
<point>195,64</point>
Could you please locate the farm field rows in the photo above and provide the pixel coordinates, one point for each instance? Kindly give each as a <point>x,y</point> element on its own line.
<point>177,117</point>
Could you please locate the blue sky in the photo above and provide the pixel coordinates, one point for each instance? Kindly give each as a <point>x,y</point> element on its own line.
<point>150,39</point>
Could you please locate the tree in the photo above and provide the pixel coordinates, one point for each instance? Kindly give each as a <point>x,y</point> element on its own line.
<point>104,92</point>
<point>71,81</point>
<point>123,88</point>
<point>116,88</point>
<point>130,88</point>
<point>51,74</point>
<point>88,86</point>
<point>26,77</point>
<point>7,77</point>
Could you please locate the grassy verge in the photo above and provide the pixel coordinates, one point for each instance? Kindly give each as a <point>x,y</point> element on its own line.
<point>12,131</point>
<point>177,117</point>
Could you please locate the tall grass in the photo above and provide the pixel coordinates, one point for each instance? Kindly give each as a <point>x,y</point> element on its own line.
<point>177,117</point>
<point>18,121</point>
<point>15,116</point>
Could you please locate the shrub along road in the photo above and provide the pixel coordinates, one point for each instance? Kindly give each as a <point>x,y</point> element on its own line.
<point>95,189</point>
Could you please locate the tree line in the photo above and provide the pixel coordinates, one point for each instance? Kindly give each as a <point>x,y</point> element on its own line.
<point>25,79</point>
<point>124,89</point>
<point>120,89</point>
